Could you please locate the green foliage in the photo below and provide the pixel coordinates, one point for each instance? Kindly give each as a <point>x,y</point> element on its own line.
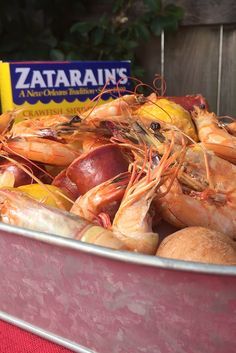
<point>77,30</point>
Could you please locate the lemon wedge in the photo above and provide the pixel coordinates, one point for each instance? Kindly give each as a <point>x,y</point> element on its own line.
<point>49,195</point>
<point>170,112</point>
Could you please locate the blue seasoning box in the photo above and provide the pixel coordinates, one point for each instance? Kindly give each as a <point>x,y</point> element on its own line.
<point>45,88</point>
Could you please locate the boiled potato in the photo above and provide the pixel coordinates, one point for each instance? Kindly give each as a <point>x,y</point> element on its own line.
<point>199,244</point>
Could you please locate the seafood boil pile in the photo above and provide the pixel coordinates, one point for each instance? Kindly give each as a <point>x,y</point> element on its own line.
<point>113,173</point>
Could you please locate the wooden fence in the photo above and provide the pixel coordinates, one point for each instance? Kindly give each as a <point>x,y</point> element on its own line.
<point>201,56</point>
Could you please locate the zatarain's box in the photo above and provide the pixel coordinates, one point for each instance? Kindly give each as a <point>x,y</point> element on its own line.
<point>45,88</point>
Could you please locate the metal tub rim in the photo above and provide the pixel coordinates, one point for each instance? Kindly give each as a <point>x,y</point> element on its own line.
<point>122,256</point>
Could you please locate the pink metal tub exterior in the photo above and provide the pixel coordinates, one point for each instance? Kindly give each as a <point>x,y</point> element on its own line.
<point>92,299</point>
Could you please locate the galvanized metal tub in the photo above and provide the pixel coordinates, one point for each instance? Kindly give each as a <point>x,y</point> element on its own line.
<point>92,299</point>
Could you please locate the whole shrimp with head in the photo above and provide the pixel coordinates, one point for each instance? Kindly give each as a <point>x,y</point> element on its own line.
<point>36,139</point>
<point>128,109</point>
<point>133,223</point>
<point>203,194</point>
<point>213,136</point>
<point>118,110</point>
<point>18,209</point>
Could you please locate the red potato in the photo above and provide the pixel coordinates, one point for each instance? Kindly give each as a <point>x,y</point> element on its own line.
<point>21,177</point>
<point>65,184</point>
<point>96,166</point>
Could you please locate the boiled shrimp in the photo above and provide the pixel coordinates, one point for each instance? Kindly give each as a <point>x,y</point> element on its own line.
<point>103,198</point>
<point>132,223</point>
<point>18,209</point>
<point>41,150</point>
<point>36,139</point>
<point>203,194</point>
<point>6,120</point>
<point>60,128</point>
<point>44,126</point>
<point>213,136</point>
<point>117,110</point>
